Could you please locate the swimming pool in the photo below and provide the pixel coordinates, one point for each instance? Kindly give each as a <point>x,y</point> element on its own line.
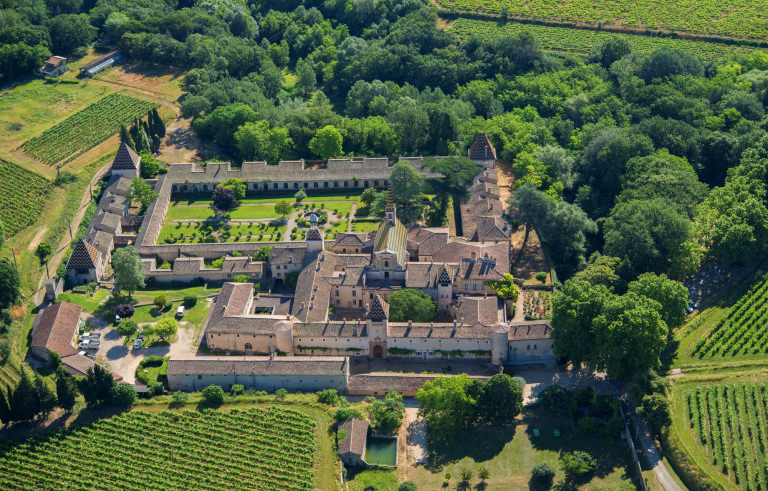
<point>381,451</point>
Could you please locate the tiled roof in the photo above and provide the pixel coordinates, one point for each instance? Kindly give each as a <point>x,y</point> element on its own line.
<point>314,233</point>
<point>350,239</point>
<point>125,158</point>
<point>379,309</point>
<point>427,240</point>
<point>313,292</point>
<point>438,331</point>
<point>534,330</point>
<point>230,313</point>
<point>459,250</point>
<point>392,237</point>
<point>101,241</point>
<point>356,435</point>
<point>78,365</point>
<point>336,329</point>
<point>84,256</point>
<point>259,365</point>
<point>446,274</point>
<point>479,269</point>
<point>56,327</point>
<point>483,310</point>
<point>481,148</point>
<point>289,254</point>
<point>107,222</point>
<point>491,228</point>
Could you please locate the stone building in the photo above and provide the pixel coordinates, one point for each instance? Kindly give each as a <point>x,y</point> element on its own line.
<point>352,444</point>
<point>303,373</point>
<point>55,329</point>
<point>126,163</point>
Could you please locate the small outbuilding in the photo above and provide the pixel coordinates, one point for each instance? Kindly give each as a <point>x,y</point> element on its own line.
<point>54,66</point>
<point>55,329</point>
<point>127,163</point>
<point>353,436</point>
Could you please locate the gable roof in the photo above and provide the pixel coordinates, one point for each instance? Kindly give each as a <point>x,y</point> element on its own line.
<point>125,158</point>
<point>55,328</point>
<point>84,256</point>
<point>446,274</point>
<point>379,310</point>
<point>356,435</point>
<point>314,234</point>
<point>481,148</point>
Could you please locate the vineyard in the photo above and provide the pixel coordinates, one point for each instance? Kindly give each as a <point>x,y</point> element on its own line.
<point>23,194</point>
<point>581,41</point>
<point>711,17</point>
<point>742,330</point>
<point>240,449</point>
<point>731,422</point>
<point>87,128</point>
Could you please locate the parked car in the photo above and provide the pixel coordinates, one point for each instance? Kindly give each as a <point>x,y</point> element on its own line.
<point>89,336</point>
<point>180,312</point>
<point>137,344</point>
<point>117,319</point>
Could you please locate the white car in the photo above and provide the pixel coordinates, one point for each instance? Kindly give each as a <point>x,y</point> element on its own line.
<point>89,336</point>
<point>117,319</point>
<point>137,344</point>
<point>180,312</point>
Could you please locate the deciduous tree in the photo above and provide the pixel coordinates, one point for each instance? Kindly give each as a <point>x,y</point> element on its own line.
<point>129,271</point>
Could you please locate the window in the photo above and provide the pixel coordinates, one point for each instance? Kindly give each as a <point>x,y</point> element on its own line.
<point>344,250</point>
<point>365,184</point>
<point>376,183</point>
<point>529,347</point>
<point>295,185</point>
<point>337,293</point>
<point>306,185</point>
<point>346,184</point>
<point>354,293</point>
<point>386,264</point>
<point>274,185</point>
<point>534,346</point>
<point>285,185</point>
<point>370,295</point>
<point>335,184</point>
<point>205,187</point>
<point>338,302</point>
<point>325,184</point>
<point>315,184</point>
<point>386,274</point>
<point>248,346</point>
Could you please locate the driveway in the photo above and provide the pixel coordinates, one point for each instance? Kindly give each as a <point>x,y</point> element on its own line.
<point>124,360</point>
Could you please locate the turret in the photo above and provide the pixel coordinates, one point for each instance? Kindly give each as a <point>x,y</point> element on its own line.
<point>499,344</point>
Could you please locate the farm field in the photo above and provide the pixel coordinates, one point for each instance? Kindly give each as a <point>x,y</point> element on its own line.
<point>23,195</point>
<point>87,128</point>
<point>733,19</point>
<point>581,41</point>
<point>246,449</point>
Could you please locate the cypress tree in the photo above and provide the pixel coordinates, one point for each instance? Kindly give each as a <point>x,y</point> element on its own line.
<point>135,133</point>
<point>46,397</point>
<point>142,143</point>
<point>125,137</point>
<point>25,402</point>
<point>66,389</point>
<point>156,141</point>
<point>159,124</point>
<point>145,126</point>
<point>5,408</point>
<point>151,125</point>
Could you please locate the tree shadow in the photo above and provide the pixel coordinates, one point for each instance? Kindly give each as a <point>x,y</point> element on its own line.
<point>117,352</point>
<point>480,443</point>
<point>667,356</point>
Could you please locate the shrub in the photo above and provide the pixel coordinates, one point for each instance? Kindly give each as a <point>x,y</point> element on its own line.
<point>281,393</point>
<point>160,301</point>
<point>5,350</point>
<point>466,474</point>
<point>556,400</point>
<point>213,395</point>
<point>44,250</point>
<point>577,464</point>
<point>519,381</point>
<point>127,328</point>
<point>55,358</point>
<point>328,396</point>
<point>587,427</point>
<point>190,301</point>
<point>237,390</point>
<point>407,486</point>
<point>217,263</point>
<point>541,277</point>
<point>124,310</point>
<point>166,328</point>
<point>345,413</point>
<point>123,394</point>
<point>241,278</point>
<point>543,474</point>
<point>180,397</point>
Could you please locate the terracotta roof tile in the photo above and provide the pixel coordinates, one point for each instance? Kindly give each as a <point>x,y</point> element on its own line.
<point>125,158</point>
<point>356,435</point>
<point>84,256</point>
<point>379,309</point>
<point>56,327</point>
<point>481,148</point>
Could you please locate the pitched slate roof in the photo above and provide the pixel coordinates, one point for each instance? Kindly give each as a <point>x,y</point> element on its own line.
<point>84,256</point>
<point>481,148</point>
<point>78,365</point>
<point>379,310</point>
<point>56,327</point>
<point>532,331</point>
<point>350,239</point>
<point>356,435</point>
<point>125,158</point>
<point>392,237</point>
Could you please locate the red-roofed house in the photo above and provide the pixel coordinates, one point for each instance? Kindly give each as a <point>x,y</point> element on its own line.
<point>55,329</point>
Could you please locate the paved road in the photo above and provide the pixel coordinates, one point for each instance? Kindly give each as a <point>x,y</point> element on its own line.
<point>648,445</point>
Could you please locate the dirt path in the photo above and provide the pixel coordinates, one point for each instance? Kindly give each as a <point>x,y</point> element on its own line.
<point>351,217</point>
<point>63,246</point>
<point>37,238</point>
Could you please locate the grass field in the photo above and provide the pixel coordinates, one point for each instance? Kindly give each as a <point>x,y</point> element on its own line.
<point>247,449</point>
<point>712,17</point>
<point>509,454</point>
<point>365,225</point>
<point>581,41</point>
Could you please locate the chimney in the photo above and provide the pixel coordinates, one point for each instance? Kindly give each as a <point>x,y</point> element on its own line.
<point>472,256</point>
<point>410,323</point>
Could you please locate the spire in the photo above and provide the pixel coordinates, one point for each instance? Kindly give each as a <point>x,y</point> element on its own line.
<point>389,211</point>
<point>390,199</point>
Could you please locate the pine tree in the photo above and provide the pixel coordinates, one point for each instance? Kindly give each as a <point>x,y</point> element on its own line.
<point>125,137</point>
<point>46,397</point>
<point>5,408</point>
<point>66,389</point>
<point>25,401</point>
<point>159,128</point>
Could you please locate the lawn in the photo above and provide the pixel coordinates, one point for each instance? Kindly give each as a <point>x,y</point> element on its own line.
<point>379,479</point>
<point>342,208</point>
<point>340,226</point>
<point>365,225</point>
<point>254,211</point>
<point>260,198</point>
<point>509,454</point>
<point>177,212</point>
<point>193,232</point>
